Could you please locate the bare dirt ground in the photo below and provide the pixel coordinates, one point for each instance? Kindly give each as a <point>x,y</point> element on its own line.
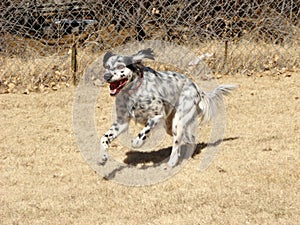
<point>255,179</point>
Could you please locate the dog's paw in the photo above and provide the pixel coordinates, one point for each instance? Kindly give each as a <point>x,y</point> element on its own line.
<point>173,160</point>
<point>137,143</point>
<point>103,157</point>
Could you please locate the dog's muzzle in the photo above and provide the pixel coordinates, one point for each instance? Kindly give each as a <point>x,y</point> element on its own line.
<point>114,86</point>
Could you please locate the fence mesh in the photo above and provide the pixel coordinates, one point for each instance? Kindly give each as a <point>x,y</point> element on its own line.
<point>38,38</point>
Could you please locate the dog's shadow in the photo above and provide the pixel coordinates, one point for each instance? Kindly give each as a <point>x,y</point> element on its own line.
<point>136,157</point>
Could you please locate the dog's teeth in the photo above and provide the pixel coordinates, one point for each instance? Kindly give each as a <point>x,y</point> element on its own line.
<point>112,92</point>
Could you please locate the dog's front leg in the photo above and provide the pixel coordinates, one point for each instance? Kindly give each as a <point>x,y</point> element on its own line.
<point>140,139</point>
<point>116,129</point>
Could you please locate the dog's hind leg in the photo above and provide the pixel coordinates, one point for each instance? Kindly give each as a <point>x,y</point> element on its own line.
<point>140,139</point>
<point>177,129</point>
<point>185,116</point>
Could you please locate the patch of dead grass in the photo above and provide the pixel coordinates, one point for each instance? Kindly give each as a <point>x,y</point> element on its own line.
<point>34,70</point>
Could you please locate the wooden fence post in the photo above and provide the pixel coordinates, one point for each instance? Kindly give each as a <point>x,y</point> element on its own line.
<point>74,65</point>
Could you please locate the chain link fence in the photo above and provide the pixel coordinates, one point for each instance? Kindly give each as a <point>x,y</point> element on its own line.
<point>45,44</point>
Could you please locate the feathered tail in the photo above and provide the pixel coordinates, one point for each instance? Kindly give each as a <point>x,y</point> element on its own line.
<point>210,103</point>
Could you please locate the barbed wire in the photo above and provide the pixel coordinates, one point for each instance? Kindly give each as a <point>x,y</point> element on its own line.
<point>244,36</point>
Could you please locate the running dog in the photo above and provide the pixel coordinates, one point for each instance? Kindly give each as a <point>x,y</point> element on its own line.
<point>149,96</point>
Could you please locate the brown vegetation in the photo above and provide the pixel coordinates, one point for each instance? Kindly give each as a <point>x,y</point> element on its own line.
<point>254,179</point>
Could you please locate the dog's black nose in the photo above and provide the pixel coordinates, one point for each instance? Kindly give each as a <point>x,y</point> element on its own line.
<point>107,76</point>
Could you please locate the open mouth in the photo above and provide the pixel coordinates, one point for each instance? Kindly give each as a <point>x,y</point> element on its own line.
<point>116,86</point>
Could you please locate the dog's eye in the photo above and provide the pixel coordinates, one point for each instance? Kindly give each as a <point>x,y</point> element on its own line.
<point>120,67</point>
<point>107,67</point>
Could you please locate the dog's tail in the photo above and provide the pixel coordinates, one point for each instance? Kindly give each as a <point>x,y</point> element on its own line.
<point>209,104</point>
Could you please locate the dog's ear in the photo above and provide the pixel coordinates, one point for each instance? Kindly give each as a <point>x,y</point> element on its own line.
<point>143,54</point>
<point>106,57</point>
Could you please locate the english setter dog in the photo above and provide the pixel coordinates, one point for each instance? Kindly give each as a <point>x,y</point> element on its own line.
<point>149,96</point>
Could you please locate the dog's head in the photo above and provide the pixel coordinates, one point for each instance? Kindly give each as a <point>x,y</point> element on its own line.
<point>121,71</point>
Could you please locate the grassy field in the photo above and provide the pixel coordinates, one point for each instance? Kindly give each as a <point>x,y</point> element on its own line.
<point>29,66</point>
<point>255,178</point>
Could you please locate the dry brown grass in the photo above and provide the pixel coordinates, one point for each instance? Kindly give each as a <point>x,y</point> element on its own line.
<point>250,57</point>
<point>33,69</point>
<point>255,179</point>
